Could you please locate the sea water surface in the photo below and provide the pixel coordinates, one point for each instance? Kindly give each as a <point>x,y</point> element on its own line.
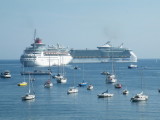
<point>55,104</point>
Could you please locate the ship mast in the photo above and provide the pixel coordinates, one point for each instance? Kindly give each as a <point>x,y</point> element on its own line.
<point>34,37</point>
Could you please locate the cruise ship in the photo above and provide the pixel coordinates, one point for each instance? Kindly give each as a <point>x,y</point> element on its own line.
<point>104,53</point>
<point>40,55</point>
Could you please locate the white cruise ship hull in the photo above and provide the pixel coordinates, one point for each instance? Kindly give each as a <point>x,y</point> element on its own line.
<point>46,61</point>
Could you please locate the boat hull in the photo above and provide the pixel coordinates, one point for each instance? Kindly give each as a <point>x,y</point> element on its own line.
<point>44,61</point>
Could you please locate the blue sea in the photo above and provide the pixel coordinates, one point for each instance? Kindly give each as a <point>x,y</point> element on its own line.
<point>55,104</point>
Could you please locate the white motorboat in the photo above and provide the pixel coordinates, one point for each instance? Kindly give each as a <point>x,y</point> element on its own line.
<point>72,90</point>
<point>90,87</point>
<point>6,74</point>
<point>139,97</point>
<point>105,94</point>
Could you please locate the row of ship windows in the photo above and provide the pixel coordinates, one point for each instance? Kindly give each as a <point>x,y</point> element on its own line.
<point>101,57</point>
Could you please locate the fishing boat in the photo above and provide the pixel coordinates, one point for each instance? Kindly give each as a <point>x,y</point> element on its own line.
<point>6,74</point>
<point>105,94</point>
<point>29,95</point>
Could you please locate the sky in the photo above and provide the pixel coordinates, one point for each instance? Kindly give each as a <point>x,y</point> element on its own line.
<point>80,24</point>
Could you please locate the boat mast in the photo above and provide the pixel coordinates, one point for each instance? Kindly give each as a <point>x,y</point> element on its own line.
<point>29,91</point>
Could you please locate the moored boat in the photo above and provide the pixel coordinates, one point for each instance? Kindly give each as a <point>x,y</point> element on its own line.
<point>6,74</point>
<point>72,90</point>
<point>22,84</point>
<point>48,84</point>
<point>105,94</point>
<point>90,87</point>
<point>139,97</point>
<point>30,95</point>
<point>82,84</point>
<point>132,66</point>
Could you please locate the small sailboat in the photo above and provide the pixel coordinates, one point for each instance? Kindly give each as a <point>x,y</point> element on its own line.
<point>73,89</point>
<point>105,94</point>
<point>24,83</point>
<point>118,84</point>
<point>60,77</point>
<point>90,87</point>
<point>111,77</point>
<point>48,83</point>
<point>83,83</point>
<point>29,95</point>
<point>140,96</point>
